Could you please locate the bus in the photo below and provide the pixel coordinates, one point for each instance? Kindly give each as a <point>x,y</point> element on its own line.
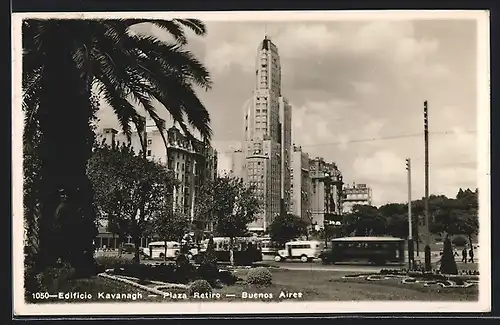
<point>305,250</point>
<point>156,250</point>
<point>246,250</point>
<point>376,250</point>
<point>268,247</point>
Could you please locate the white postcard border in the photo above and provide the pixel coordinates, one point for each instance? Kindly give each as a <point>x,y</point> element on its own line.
<point>135,308</point>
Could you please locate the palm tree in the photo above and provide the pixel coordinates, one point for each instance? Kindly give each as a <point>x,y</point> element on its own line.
<point>63,61</point>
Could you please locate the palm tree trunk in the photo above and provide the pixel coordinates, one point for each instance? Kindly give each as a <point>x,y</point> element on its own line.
<point>64,116</point>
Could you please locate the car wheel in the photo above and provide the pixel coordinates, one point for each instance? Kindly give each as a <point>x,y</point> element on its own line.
<point>304,259</point>
<point>277,258</point>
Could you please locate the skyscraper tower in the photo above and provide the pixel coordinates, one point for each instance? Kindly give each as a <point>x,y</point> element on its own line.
<point>268,137</point>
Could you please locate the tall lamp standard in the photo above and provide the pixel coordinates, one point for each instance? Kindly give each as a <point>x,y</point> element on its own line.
<point>427,250</point>
<point>410,227</point>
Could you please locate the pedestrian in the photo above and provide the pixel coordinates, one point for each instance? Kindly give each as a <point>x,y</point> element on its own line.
<point>471,255</point>
<point>464,255</point>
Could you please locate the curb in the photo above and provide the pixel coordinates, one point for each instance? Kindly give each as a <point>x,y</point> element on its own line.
<point>137,285</point>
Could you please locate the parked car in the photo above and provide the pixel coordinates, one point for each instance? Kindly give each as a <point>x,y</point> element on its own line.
<point>127,248</point>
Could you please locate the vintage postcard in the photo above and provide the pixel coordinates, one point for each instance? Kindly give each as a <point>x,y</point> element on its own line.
<point>251,162</point>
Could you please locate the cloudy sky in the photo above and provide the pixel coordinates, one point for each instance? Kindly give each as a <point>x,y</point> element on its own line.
<point>357,90</point>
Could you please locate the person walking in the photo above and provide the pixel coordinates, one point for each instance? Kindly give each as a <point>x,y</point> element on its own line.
<point>464,255</point>
<point>471,255</point>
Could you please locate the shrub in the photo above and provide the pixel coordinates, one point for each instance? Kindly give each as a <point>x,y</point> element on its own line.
<point>208,272</point>
<point>448,264</point>
<point>31,284</point>
<point>260,276</point>
<point>111,262</point>
<point>199,286</point>
<point>183,269</point>
<point>227,277</point>
<point>53,279</point>
<point>209,255</point>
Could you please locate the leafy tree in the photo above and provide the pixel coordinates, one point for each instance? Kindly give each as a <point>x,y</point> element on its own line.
<point>397,225</point>
<point>118,226</point>
<point>230,205</point>
<point>287,227</point>
<point>63,62</point>
<point>170,225</point>
<point>396,215</point>
<point>365,220</point>
<point>130,188</point>
<point>456,216</point>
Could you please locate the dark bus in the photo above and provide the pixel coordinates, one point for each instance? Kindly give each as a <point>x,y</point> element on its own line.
<point>376,250</point>
<point>247,250</point>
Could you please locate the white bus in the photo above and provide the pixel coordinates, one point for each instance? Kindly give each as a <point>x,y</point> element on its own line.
<point>305,250</point>
<point>156,250</point>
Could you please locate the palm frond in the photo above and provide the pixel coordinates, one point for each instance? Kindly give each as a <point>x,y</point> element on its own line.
<point>196,25</point>
<point>174,29</point>
<point>173,58</point>
<point>112,94</point>
<point>175,96</point>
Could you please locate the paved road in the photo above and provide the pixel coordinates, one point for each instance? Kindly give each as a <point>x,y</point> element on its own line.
<point>318,266</point>
<point>330,268</point>
<point>355,267</point>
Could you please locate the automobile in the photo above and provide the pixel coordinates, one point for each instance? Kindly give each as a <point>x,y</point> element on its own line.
<point>127,248</point>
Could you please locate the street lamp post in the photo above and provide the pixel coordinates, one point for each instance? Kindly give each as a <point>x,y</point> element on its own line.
<point>427,250</point>
<point>410,227</point>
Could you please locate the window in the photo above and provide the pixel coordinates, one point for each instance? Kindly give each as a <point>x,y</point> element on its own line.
<point>150,141</point>
<point>149,153</point>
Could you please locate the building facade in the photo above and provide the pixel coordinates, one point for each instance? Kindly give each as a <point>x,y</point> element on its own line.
<point>326,192</point>
<point>357,194</point>
<point>267,138</point>
<point>193,162</point>
<point>300,185</point>
<point>238,165</point>
<point>285,127</point>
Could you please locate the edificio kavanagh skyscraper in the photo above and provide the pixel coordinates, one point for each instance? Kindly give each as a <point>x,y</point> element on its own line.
<point>267,142</point>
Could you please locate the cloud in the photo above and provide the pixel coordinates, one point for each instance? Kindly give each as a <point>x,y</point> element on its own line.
<point>381,166</point>
<point>357,89</point>
<point>364,87</point>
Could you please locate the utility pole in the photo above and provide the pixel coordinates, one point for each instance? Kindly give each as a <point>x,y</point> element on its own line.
<point>427,250</point>
<point>410,227</point>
